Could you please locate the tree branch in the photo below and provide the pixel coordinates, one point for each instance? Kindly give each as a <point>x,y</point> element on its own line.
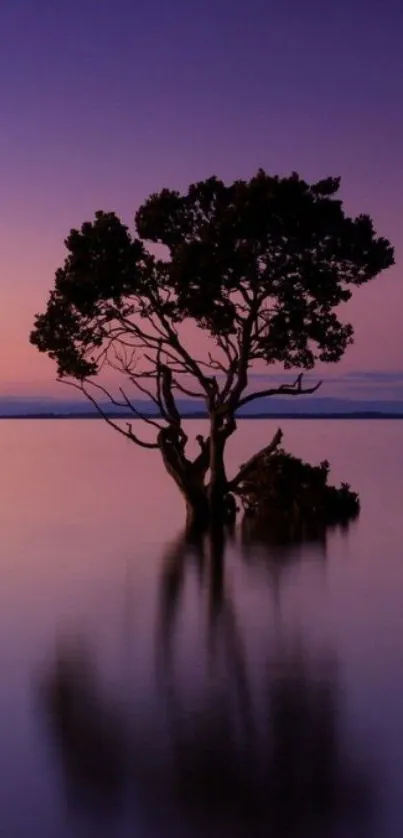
<point>128,434</point>
<point>248,467</point>
<point>135,381</point>
<point>159,398</point>
<point>174,342</point>
<point>138,413</point>
<point>202,462</point>
<point>244,354</point>
<point>187,392</point>
<point>294,389</point>
<point>168,396</point>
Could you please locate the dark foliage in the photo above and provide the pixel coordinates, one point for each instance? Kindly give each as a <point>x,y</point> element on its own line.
<point>262,266</point>
<point>283,490</point>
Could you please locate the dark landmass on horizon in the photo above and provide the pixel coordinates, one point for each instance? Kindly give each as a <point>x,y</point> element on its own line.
<point>88,415</point>
<point>279,408</point>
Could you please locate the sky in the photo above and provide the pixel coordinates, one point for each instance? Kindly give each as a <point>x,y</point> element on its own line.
<point>105,101</point>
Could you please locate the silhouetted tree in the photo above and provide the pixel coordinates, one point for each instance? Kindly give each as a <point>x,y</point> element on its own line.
<point>261,267</point>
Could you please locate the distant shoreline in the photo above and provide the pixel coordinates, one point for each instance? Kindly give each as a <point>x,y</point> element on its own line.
<point>273,416</point>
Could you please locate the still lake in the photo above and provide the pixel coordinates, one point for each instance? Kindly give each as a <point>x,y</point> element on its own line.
<point>145,692</point>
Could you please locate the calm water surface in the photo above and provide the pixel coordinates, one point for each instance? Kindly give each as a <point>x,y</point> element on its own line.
<point>148,690</point>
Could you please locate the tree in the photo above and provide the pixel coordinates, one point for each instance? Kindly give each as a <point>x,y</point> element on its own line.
<point>260,266</point>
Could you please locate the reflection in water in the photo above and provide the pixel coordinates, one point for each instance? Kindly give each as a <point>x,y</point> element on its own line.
<point>230,748</point>
<point>279,541</point>
<point>275,548</point>
<point>90,737</point>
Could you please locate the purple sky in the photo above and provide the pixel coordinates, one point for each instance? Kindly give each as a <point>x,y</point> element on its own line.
<point>104,101</point>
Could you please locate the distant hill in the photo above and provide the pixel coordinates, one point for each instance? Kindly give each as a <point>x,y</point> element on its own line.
<point>276,407</point>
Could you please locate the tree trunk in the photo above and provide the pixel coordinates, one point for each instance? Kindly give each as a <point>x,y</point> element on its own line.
<point>197,510</point>
<point>209,506</point>
<point>189,480</point>
<point>218,486</point>
<point>196,500</point>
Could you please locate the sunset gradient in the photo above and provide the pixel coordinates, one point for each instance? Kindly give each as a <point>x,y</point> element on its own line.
<point>105,101</point>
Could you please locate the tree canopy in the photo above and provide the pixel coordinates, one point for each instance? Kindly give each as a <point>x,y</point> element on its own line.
<point>261,266</point>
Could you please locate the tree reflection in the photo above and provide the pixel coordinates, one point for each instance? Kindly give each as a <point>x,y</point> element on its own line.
<point>278,540</point>
<point>88,734</point>
<point>250,752</point>
<point>273,546</point>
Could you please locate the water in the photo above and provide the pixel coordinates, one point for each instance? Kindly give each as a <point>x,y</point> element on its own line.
<point>146,691</point>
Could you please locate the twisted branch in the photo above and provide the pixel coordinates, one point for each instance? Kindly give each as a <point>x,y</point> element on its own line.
<point>248,467</point>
